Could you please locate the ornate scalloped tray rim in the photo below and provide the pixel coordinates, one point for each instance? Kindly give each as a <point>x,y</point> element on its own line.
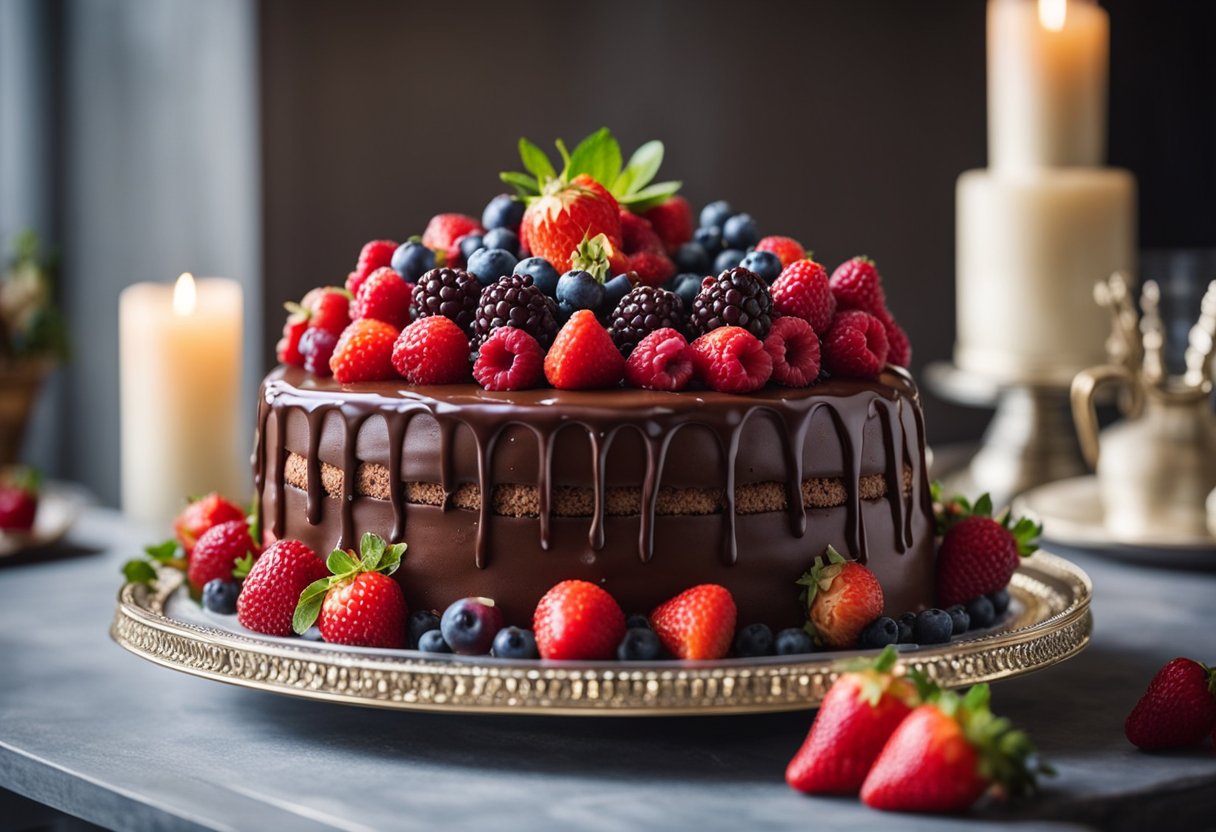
<point>1054,624</point>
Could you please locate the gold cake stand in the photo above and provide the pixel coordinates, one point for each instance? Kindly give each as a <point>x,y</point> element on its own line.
<point>1050,622</point>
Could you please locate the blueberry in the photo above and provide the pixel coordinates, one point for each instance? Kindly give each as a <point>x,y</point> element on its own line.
<point>715,214</point>
<point>503,238</point>
<point>640,644</point>
<point>754,640</point>
<point>687,286</point>
<point>933,626</point>
<point>740,232</point>
<point>515,643</point>
<point>692,257</point>
<point>709,239</point>
<point>432,642</point>
<point>637,621</point>
<point>614,290</point>
<point>907,623</point>
<point>470,244</point>
<point>959,620</point>
<point>470,624</point>
<point>544,276</point>
<point>764,263</point>
<point>792,641</point>
<point>220,596</point>
<point>981,611</point>
<point>420,621</point>
<point>503,211</point>
<point>313,633</point>
<point>879,633</point>
<point>412,260</point>
<point>489,264</point>
<point>577,289</point>
<point>728,259</point>
<point>1000,601</point>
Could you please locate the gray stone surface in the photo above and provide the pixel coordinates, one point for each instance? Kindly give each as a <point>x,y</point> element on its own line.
<point>96,732</point>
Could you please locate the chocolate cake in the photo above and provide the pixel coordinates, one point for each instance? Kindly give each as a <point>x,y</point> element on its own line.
<point>646,493</point>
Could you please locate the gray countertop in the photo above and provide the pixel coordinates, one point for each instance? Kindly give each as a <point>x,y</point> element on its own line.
<point>98,733</point>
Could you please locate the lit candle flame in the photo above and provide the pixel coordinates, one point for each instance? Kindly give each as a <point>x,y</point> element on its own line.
<point>184,295</point>
<point>1052,14</point>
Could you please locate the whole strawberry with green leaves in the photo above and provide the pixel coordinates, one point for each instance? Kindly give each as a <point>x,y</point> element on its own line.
<point>978,553</point>
<point>358,604</point>
<point>842,597</point>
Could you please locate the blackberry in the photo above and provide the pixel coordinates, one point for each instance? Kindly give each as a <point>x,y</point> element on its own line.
<point>513,301</point>
<point>452,293</point>
<point>643,310</point>
<point>737,297</point>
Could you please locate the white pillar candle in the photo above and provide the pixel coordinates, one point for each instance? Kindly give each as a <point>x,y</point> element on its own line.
<point>1047,69</point>
<point>180,375</point>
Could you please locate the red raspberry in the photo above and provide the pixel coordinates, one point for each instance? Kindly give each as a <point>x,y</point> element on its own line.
<point>637,235</point>
<point>444,231</point>
<point>510,359</point>
<point>432,350</point>
<point>731,360</point>
<point>327,308</point>
<point>787,249</point>
<point>672,221</point>
<point>856,345</point>
<point>375,255</point>
<point>272,588</point>
<point>317,347</point>
<point>364,352</point>
<point>802,291</point>
<point>653,269</point>
<point>217,551</point>
<point>384,296</point>
<point>661,361</point>
<point>794,347</point>
<point>857,285</point>
<point>583,356</point>
<point>287,351</point>
<point>899,350</point>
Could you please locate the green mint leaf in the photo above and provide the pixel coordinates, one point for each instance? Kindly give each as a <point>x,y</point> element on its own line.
<point>536,161</point>
<point>309,606</point>
<point>642,167</point>
<point>241,570</point>
<point>523,184</point>
<point>169,550</point>
<point>371,551</point>
<point>139,572</point>
<point>650,196</point>
<point>598,156</point>
<point>341,563</point>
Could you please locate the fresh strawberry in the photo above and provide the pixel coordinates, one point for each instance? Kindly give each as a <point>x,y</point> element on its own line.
<point>271,590</point>
<point>638,235</point>
<point>287,351</point>
<point>661,361</point>
<point>444,231</point>
<point>857,285</point>
<point>201,515</point>
<point>855,345</point>
<point>327,308</point>
<point>583,355</point>
<point>358,604</point>
<point>558,220</point>
<point>384,296</point>
<point>672,221</point>
<point>432,350</point>
<point>978,554</point>
<point>802,291</point>
<point>794,348</point>
<point>217,551</point>
<point>699,623</point>
<point>374,255</point>
<point>510,359</point>
<point>652,269</point>
<point>578,620</point>
<point>947,753</point>
<point>860,712</point>
<point>787,249</point>
<point>364,352</point>
<point>899,348</point>
<point>1177,710</point>
<point>842,597</point>
<point>19,500</point>
<point>730,359</point>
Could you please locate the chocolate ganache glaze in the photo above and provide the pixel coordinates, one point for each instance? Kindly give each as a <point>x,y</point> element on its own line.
<point>644,493</point>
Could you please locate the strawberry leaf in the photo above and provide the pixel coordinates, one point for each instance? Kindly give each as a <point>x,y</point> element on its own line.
<point>536,161</point>
<point>164,552</point>
<point>240,570</point>
<point>598,156</point>
<point>650,196</point>
<point>642,167</point>
<point>524,185</point>
<point>561,148</point>
<point>139,572</point>
<point>371,550</point>
<point>309,606</point>
<point>392,558</point>
<point>340,563</point>
<point>983,506</point>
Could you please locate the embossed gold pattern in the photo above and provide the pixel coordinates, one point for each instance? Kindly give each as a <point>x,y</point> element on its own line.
<point>1053,624</point>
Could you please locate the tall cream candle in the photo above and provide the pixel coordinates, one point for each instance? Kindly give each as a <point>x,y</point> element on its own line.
<point>1047,68</point>
<point>180,374</point>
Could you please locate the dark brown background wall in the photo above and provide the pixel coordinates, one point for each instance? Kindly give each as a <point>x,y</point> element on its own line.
<point>841,122</point>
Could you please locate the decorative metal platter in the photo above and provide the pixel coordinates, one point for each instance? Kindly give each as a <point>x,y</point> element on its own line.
<point>1048,622</point>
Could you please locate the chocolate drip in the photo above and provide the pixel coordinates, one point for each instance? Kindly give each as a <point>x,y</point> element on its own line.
<point>893,442</point>
<point>544,486</point>
<point>396,428</point>
<point>316,492</point>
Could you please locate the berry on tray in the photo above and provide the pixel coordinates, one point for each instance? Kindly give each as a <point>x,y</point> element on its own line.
<point>764,264</point>
<point>699,623</point>
<point>794,348</point>
<point>640,312</point>
<point>672,221</point>
<point>857,285</point>
<point>515,643</point>
<point>364,352</point>
<point>19,499</point>
<point>859,714</point>
<point>933,626</point>
<point>1177,710</point>
<point>443,233</point>
<point>544,276</point>
<point>272,588</point>
<point>419,622</point>
<point>907,625</point>
<point>802,291</point>
<point>469,625</point>
<point>1000,600</point>
<point>432,642</point>
<point>412,260</point>
<point>662,361</point>
<point>219,595</point>
<point>452,293</point>
<point>583,356</point>
<point>503,211</point>
<point>637,619</point>
<point>515,301</point>
<point>640,644</point>
<point>793,641</point>
<point>432,351</point>
<point>358,603</point>
<point>376,254</point>
<point>855,345</point>
<point>384,296</point>
<point>978,554</point>
<point>960,621</point>
<point>731,360</point>
<point>880,632</point>
<point>842,598</point>
<point>980,612</point>
<point>510,359</point>
<point>736,297</point>
<point>200,515</point>
<point>754,640</point>
<point>217,551</point>
<point>578,620</point>
<point>787,249</point>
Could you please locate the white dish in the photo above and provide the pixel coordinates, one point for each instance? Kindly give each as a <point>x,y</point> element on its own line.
<point>57,509</point>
